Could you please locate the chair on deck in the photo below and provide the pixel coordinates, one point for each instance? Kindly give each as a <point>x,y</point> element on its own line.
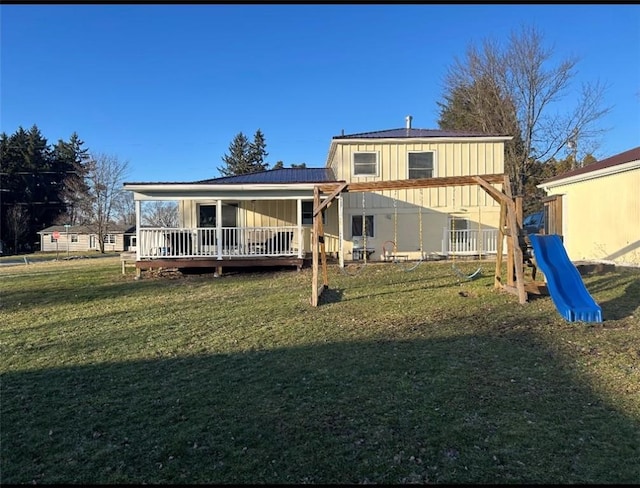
<point>279,243</point>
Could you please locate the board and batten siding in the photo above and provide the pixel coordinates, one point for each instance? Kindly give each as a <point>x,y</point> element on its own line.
<point>396,212</point>
<point>267,213</point>
<point>601,218</point>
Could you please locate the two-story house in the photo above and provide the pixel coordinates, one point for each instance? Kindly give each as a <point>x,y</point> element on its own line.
<point>265,218</point>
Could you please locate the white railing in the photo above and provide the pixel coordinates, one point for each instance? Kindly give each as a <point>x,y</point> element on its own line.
<point>161,242</point>
<point>469,242</point>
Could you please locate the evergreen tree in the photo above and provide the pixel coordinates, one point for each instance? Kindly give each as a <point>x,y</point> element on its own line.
<point>244,156</point>
<point>258,152</point>
<point>72,158</point>
<point>237,161</point>
<point>32,177</point>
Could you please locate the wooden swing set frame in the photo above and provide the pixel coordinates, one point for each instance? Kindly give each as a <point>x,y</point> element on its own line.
<point>510,226</point>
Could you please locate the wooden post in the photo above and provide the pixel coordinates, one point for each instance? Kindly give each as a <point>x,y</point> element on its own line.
<point>519,211</point>
<point>323,253</point>
<point>512,241</point>
<point>518,258</point>
<point>497,283</point>
<point>314,249</point>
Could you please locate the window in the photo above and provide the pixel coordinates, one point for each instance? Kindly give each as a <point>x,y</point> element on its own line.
<point>365,164</point>
<point>356,225</point>
<point>421,165</point>
<point>109,239</point>
<point>74,237</point>
<point>307,214</point>
<point>53,239</point>
<point>207,216</point>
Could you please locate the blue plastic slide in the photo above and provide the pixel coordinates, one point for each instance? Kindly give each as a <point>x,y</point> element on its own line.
<point>564,282</point>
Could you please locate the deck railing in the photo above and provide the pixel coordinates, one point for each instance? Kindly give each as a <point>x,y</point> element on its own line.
<point>161,242</point>
<point>469,242</point>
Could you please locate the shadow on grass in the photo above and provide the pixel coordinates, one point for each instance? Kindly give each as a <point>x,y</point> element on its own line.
<point>470,409</point>
<point>621,306</point>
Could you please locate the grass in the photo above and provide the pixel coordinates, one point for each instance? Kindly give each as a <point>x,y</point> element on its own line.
<point>396,378</point>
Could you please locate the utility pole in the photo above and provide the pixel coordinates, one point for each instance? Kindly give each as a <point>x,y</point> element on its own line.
<point>66,226</point>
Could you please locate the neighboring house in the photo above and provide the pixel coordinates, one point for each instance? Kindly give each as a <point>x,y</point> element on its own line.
<point>270,213</point>
<point>82,238</point>
<point>596,208</point>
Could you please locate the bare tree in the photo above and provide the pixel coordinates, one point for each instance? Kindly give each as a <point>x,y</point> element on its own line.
<point>18,220</point>
<point>125,208</point>
<point>104,177</point>
<point>518,90</point>
<point>160,214</point>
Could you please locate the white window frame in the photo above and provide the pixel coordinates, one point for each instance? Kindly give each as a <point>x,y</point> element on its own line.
<point>377,163</point>
<point>109,238</point>
<point>434,172</point>
<point>73,238</point>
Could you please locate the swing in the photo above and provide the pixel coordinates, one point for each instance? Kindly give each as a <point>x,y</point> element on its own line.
<point>478,272</point>
<point>401,259</point>
<point>355,268</point>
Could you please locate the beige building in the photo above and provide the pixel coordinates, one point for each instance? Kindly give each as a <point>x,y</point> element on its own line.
<point>79,238</point>
<point>597,209</point>
<point>237,216</point>
<point>435,220</point>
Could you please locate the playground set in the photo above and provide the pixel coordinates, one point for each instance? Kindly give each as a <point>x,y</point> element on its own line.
<point>546,252</point>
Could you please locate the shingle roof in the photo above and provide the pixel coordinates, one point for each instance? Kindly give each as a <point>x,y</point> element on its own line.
<point>277,176</point>
<point>414,133</point>
<point>615,160</point>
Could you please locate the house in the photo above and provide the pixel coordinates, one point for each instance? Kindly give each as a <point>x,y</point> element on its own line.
<point>267,217</point>
<point>596,209</point>
<point>82,238</point>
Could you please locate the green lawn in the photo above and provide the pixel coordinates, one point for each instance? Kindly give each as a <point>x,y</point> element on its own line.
<point>397,377</point>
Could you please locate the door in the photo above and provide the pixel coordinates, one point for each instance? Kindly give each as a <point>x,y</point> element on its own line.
<point>207,217</point>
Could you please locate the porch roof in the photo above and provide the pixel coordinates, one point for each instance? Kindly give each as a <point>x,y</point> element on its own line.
<point>282,176</point>
<point>270,184</point>
<point>85,229</point>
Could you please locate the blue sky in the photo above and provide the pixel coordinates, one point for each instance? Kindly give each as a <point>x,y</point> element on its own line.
<point>167,87</point>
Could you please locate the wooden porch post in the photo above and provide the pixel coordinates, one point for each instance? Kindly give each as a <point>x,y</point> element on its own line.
<point>219,228</point>
<point>138,205</point>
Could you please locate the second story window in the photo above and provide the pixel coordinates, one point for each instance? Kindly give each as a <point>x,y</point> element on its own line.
<point>421,165</point>
<point>365,164</point>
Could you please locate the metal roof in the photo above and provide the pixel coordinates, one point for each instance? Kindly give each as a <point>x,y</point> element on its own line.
<point>414,133</point>
<point>615,160</point>
<point>84,229</point>
<point>273,176</point>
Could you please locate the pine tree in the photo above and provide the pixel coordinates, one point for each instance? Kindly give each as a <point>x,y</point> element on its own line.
<point>237,161</point>
<point>245,157</point>
<point>258,152</point>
